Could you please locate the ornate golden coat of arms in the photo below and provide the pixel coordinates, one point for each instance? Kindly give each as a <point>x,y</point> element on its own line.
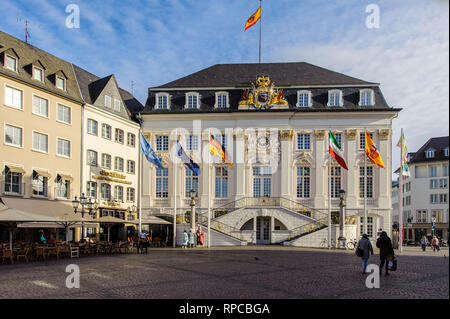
<point>263,96</point>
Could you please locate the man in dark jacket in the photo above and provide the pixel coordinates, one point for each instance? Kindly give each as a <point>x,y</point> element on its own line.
<point>366,247</point>
<point>386,250</point>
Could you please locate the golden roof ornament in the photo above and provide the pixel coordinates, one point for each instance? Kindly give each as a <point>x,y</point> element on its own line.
<point>263,96</point>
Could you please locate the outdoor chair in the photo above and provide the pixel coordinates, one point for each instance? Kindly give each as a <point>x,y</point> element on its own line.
<point>52,251</point>
<point>40,252</point>
<point>23,254</point>
<point>7,254</point>
<point>74,251</point>
<point>115,248</point>
<point>63,250</point>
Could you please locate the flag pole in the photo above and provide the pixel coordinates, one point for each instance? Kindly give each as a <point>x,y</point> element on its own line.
<point>140,184</point>
<point>209,192</point>
<point>400,200</point>
<point>175,168</point>
<point>260,22</point>
<point>329,192</point>
<point>365,182</point>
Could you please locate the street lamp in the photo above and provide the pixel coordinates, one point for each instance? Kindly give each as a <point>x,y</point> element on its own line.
<point>341,238</point>
<point>89,205</point>
<point>193,194</point>
<point>433,227</point>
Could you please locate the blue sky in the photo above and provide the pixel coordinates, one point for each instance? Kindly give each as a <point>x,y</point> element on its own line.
<point>153,42</point>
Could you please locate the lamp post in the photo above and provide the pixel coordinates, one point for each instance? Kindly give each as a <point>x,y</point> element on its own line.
<point>433,227</point>
<point>83,202</point>
<point>193,194</point>
<point>341,238</point>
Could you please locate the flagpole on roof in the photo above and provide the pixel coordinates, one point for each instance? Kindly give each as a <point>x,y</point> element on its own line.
<point>140,183</point>
<point>260,22</point>
<point>175,168</point>
<point>209,192</point>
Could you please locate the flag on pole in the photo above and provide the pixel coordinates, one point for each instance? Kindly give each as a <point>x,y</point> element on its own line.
<point>216,148</point>
<point>149,153</point>
<point>335,151</point>
<point>372,152</point>
<point>253,19</point>
<point>187,160</point>
<point>404,163</point>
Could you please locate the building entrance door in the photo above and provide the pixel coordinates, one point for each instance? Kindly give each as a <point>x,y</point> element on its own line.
<point>263,230</point>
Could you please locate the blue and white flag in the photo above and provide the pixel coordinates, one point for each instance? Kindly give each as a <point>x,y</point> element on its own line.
<point>187,160</point>
<point>149,153</point>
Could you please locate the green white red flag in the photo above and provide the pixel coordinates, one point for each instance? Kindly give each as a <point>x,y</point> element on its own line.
<point>335,151</point>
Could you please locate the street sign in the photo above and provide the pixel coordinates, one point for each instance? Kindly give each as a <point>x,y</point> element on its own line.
<point>433,227</point>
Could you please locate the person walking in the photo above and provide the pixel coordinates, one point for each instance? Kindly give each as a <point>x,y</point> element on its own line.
<point>424,243</point>
<point>386,251</point>
<point>435,244</point>
<point>191,238</point>
<point>200,236</point>
<point>184,240</point>
<point>366,247</point>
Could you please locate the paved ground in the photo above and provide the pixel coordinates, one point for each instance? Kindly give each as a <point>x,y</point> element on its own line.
<point>229,273</point>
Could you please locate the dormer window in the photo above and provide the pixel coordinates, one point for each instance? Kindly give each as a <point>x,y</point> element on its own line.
<point>38,74</point>
<point>11,63</point>
<point>429,153</point>
<point>366,98</point>
<point>335,98</point>
<point>222,100</point>
<point>162,101</point>
<point>304,99</point>
<point>192,100</point>
<point>117,105</point>
<point>446,152</point>
<point>60,83</point>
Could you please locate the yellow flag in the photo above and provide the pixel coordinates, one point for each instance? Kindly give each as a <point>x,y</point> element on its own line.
<point>372,152</point>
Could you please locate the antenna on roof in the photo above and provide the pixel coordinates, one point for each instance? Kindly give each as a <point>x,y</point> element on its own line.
<point>27,28</point>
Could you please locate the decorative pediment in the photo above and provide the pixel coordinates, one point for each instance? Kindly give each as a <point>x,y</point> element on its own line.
<point>286,135</point>
<point>303,158</point>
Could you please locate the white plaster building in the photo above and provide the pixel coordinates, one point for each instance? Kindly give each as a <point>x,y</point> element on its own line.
<point>276,133</point>
<point>110,156</point>
<point>425,192</point>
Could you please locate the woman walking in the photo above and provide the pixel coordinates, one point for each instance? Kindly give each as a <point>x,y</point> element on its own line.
<point>366,249</point>
<point>386,251</point>
<point>191,238</point>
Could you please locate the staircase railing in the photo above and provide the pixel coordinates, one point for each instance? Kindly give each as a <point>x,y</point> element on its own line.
<point>308,228</point>
<point>220,227</point>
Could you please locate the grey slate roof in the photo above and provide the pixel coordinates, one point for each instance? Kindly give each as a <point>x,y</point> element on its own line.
<point>282,74</point>
<point>436,143</point>
<point>291,77</point>
<point>91,86</point>
<point>29,55</point>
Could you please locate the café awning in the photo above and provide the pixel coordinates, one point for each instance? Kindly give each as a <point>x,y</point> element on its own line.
<point>42,172</point>
<point>149,220</point>
<point>15,169</point>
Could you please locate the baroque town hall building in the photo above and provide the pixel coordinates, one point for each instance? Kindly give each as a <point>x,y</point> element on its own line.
<point>273,120</point>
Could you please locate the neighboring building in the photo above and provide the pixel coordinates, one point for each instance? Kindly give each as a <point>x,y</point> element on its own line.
<point>425,192</point>
<point>277,191</point>
<point>110,156</point>
<point>40,114</point>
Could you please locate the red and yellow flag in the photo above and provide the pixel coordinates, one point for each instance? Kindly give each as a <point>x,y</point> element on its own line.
<point>253,19</point>
<point>216,149</point>
<point>372,152</point>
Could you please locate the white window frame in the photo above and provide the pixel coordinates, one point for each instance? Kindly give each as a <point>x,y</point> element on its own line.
<point>117,106</point>
<point>227,97</point>
<point>372,97</point>
<point>106,155</point>
<point>108,101</point>
<point>32,144</point>
<point>309,98</point>
<point>15,62</point>
<point>13,99</point>
<point>116,135</point>
<point>110,131</point>
<point>40,106</point>
<point>64,82</point>
<point>128,167</point>
<point>57,148</point>
<point>118,160</point>
<point>158,106</point>
<point>341,98</point>
<point>21,135</point>
<point>189,94</point>
<point>430,153</point>
<point>42,73</point>
<point>128,139</point>
<point>446,152</point>
<point>87,157</point>
<point>89,127</point>
<point>70,114</point>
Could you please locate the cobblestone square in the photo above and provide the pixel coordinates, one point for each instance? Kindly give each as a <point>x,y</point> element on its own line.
<point>228,273</point>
